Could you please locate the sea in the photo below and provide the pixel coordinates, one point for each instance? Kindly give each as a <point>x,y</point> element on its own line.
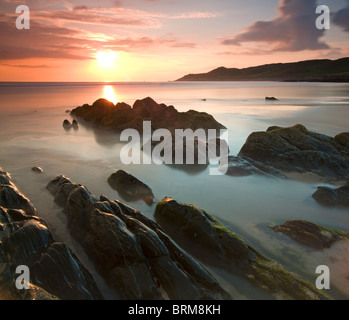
<point>31,134</point>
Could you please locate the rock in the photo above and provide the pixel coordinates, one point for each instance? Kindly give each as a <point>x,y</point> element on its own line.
<point>131,252</point>
<point>67,111</point>
<point>343,139</point>
<point>75,125</point>
<point>25,239</point>
<point>241,166</point>
<point>104,113</point>
<point>37,170</point>
<point>271,99</point>
<point>296,149</point>
<point>130,188</point>
<point>311,234</point>
<point>66,124</point>
<point>332,197</point>
<point>216,245</point>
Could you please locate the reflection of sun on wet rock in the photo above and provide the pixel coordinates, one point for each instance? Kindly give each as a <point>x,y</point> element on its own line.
<point>311,234</point>
<point>25,239</point>
<point>220,247</point>
<point>332,197</point>
<point>296,149</point>
<point>130,188</point>
<point>133,254</point>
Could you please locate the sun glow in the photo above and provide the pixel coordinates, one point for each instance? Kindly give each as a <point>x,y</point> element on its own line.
<point>109,94</point>
<point>106,59</point>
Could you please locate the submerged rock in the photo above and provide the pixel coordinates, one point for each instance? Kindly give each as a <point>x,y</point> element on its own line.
<point>296,149</point>
<point>332,197</point>
<point>220,247</point>
<point>104,113</point>
<point>133,254</point>
<point>311,234</point>
<point>25,239</point>
<point>130,188</point>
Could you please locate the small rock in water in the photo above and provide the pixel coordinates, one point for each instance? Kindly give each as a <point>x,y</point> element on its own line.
<point>75,124</point>
<point>66,124</point>
<point>271,99</point>
<point>37,169</point>
<point>67,111</point>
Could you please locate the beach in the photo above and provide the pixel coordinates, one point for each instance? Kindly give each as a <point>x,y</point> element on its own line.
<point>32,135</point>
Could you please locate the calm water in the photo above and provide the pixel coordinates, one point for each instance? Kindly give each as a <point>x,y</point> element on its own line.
<point>31,134</point>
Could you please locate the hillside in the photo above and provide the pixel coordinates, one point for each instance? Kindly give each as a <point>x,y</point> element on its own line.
<point>309,70</point>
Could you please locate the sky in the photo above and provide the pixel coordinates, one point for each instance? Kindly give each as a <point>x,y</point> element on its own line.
<point>162,40</point>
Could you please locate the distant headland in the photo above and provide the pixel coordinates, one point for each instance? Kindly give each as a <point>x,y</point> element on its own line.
<point>310,70</point>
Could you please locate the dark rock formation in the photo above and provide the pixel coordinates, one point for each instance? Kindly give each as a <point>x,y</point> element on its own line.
<point>25,239</point>
<point>219,246</point>
<point>270,99</point>
<point>332,197</point>
<point>104,113</point>
<point>75,125</point>
<point>130,188</point>
<point>37,170</point>
<point>296,149</point>
<point>311,234</point>
<point>136,258</point>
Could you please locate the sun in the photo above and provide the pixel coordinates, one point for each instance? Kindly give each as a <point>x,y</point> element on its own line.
<point>106,59</point>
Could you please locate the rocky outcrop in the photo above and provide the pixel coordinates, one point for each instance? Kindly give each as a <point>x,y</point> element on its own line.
<point>133,254</point>
<point>130,188</point>
<point>310,234</point>
<point>330,197</point>
<point>37,169</point>
<point>220,247</point>
<point>296,149</point>
<point>104,113</point>
<point>270,99</point>
<point>25,239</point>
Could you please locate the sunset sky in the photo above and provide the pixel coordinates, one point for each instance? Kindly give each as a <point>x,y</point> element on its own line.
<point>162,40</point>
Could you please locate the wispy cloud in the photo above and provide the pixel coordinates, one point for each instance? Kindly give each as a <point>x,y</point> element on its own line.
<point>292,30</point>
<point>341,18</point>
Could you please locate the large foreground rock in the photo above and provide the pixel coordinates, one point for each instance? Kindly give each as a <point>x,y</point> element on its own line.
<point>220,247</point>
<point>133,254</point>
<point>104,113</point>
<point>330,197</point>
<point>311,234</point>
<point>296,149</point>
<point>25,239</point>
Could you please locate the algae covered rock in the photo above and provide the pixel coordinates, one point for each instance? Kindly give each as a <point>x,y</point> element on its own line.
<point>311,234</point>
<point>218,246</point>
<point>132,253</point>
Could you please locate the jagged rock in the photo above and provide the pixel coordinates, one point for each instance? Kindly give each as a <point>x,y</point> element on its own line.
<point>104,113</point>
<point>131,251</point>
<point>311,234</point>
<point>218,246</point>
<point>296,149</point>
<point>25,239</point>
<point>332,197</point>
<point>75,125</point>
<point>130,188</point>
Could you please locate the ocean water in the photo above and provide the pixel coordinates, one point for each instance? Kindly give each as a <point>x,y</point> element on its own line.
<point>31,134</point>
